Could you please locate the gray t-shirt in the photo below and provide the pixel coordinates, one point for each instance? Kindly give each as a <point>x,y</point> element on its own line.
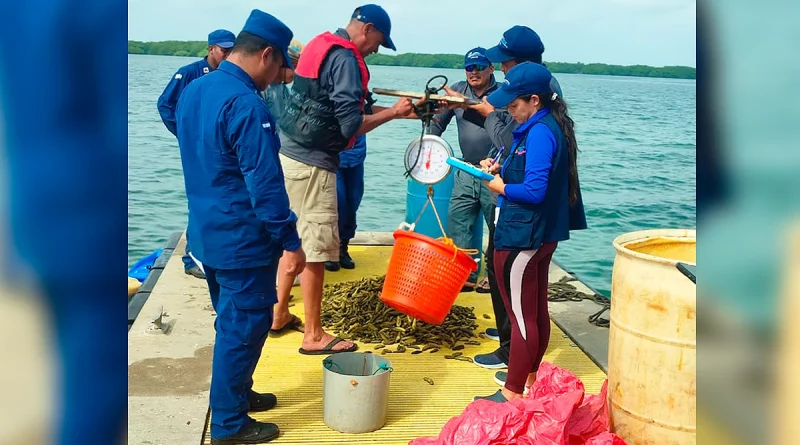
<point>473,139</point>
<point>340,76</point>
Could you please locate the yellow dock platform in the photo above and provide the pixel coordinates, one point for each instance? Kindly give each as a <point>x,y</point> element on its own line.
<point>416,408</point>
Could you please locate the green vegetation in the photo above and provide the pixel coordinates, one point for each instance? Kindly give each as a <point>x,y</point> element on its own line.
<point>199,48</point>
<point>457,61</point>
<point>671,72</point>
<point>169,48</point>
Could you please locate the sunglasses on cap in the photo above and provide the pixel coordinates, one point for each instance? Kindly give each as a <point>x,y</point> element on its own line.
<point>472,68</point>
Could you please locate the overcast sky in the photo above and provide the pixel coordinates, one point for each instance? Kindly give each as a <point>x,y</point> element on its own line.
<point>626,32</point>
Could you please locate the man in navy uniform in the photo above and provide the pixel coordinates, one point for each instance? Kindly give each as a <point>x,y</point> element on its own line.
<point>239,217</point>
<point>220,43</point>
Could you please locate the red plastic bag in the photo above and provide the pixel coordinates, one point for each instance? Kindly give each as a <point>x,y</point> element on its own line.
<point>555,412</point>
<point>606,439</point>
<point>590,419</point>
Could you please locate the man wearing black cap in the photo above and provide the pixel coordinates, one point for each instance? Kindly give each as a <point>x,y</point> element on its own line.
<point>519,44</point>
<point>328,108</point>
<point>239,216</point>
<point>220,43</point>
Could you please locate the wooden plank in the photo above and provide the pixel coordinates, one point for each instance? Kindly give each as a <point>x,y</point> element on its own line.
<point>413,95</point>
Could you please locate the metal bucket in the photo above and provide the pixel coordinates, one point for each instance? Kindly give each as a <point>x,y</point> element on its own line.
<point>355,391</point>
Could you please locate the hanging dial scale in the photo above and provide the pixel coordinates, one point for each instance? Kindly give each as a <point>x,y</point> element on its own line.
<point>426,160</point>
<point>426,157</point>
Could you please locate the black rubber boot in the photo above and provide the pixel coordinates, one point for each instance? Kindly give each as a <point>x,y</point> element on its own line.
<point>195,272</point>
<point>262,402</point>
<point>332,266</point>
<point>255,432</point>
<point>344,257</point>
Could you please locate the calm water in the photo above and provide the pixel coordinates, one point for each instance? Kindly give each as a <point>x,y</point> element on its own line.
<point>637,160</point>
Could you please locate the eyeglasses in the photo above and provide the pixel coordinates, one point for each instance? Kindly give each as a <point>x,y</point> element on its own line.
<point>472,68</point>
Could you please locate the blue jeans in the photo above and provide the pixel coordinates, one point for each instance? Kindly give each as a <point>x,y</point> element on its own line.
<point>349,190</point>
<point>243,300</point>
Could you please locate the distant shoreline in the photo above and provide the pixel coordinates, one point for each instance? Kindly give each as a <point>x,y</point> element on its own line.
<point>198,49</point>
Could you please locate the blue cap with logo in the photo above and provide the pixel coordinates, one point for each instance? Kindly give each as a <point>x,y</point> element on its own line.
<point>272,30</point>
<point>476,56</point>
<point>519,42</point>
<point>222,38</point>
<point>525,78</point>
<point>380,20</point>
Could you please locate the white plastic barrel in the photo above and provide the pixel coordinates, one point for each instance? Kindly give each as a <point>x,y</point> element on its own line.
<point>652,344</point>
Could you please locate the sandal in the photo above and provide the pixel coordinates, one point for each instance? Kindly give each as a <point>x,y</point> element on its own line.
<point>483,286</point>
<point>328,349</point>
<point>295,324</point>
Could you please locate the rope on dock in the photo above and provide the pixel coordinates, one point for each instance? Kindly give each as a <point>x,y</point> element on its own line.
<point>563,291</point>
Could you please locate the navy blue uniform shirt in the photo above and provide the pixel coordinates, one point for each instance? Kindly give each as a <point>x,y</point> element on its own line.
<point>239,214</point>
<point>168,101</point>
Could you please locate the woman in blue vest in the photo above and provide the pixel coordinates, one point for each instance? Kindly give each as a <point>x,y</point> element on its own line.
<point>540,202</point>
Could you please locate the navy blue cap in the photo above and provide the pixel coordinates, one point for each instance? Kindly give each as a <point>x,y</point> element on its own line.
<point>519,42</point>
<point>525,78</point>
<point>222,38</point>
<point>476,56</point>
<point>380,20</point>
<point>272,30</point>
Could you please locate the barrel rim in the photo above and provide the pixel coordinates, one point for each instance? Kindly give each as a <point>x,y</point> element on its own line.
<point>642,235</point>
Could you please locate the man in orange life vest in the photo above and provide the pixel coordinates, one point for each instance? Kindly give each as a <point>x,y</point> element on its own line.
<point>329,105</point>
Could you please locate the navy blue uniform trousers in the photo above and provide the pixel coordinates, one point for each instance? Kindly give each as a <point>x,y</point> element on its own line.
<point>243,300</point>
<point>349,190</point>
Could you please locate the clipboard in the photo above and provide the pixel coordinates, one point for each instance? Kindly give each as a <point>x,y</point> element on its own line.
<point>470,169</point>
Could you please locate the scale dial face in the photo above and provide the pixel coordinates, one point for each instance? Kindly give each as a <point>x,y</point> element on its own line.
<point>428,164</point>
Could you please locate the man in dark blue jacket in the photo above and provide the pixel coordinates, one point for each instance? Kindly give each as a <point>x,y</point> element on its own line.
<point>220,43</point>
<point>239,217</point>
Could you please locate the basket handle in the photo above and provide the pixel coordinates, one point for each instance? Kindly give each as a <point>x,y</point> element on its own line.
<point>444,238</point>
<point>406,226</point>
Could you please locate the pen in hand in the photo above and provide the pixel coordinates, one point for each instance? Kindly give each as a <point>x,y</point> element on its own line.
<point>499,153</point>
<point>497,157</point>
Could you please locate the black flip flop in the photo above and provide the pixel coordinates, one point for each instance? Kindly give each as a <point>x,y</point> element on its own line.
<point>293,325</point>
<point>328,349</point>
<point>483,286</point>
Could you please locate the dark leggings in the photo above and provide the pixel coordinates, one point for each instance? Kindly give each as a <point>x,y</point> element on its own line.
<point>522,278</point>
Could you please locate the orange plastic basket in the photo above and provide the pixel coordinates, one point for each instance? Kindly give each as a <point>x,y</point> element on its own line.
<point>424,278</point>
